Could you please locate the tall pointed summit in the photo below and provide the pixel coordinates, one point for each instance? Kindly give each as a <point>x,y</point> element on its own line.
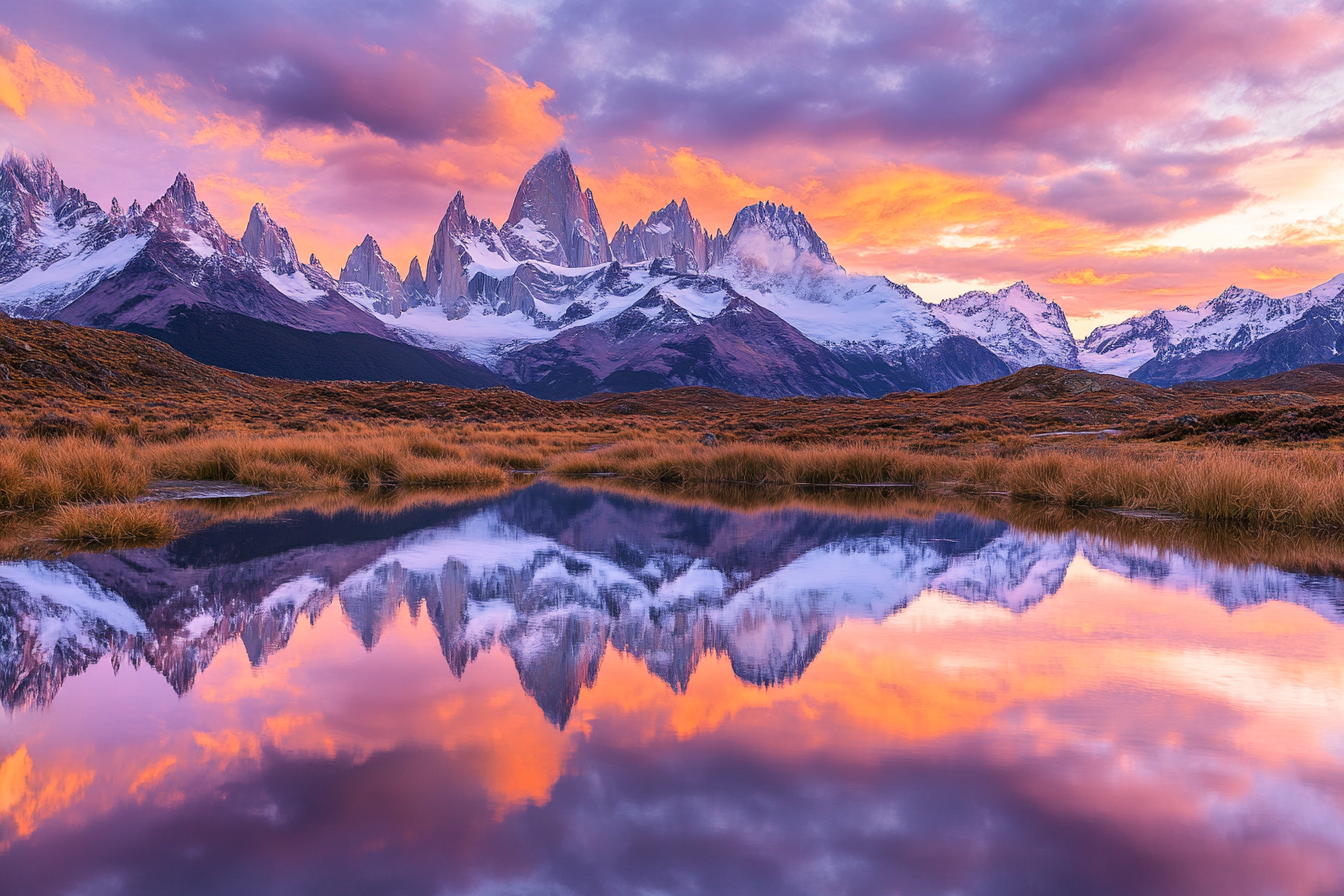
<point>553,219</point>
<point>181,213</point>
<point>267,241</point>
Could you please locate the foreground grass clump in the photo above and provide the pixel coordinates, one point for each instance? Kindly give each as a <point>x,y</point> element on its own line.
<point>41,474</point>
<point>112,525</point>
<point>358,460</point>
<point>417,457</point>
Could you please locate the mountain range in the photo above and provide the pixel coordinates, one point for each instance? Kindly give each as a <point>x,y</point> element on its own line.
<point>555,577</point>
<point>548,303</point>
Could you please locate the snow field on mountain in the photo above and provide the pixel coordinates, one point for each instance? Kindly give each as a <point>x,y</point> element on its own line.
<point>39,292</point>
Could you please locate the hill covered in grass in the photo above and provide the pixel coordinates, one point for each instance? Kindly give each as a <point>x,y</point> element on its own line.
<point>56,375</point>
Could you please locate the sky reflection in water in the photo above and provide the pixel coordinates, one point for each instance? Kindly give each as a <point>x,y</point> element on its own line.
<point>572,691</point>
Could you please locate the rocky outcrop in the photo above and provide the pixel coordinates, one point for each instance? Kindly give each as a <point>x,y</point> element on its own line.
<point>367,268</point>
<point>269,243</point>
<point>553,219</point>
<point>671,232</point>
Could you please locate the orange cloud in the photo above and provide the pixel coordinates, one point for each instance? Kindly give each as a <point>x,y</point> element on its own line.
<point>868,215</point>
<point>518,111</point>
<point>226,132</point>
<point>149,102</point>
<point>1088,277</point>
<point>279,150</point>
<point>25,77</point>
<point>153,775</point>
<point>1277,273</point>
<point>27,799</point>
<point>715,194</point>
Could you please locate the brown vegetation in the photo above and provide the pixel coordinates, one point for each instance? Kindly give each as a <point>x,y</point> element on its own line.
<point>57,380</point>
<point>113,525</point>
<point>1264,487</point>
<point>93,417</point>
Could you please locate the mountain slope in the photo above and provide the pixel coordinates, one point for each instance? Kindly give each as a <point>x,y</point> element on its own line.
<point>54,243</point>
<point>1231,322</point>
<point>1016,323</point>
<point>168,273</point>
<point>1316,337</point>
<point>239,342</point>
<point>656,343</point>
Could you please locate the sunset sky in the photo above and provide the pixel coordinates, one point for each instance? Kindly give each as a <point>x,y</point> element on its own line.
<point>1119,156</point>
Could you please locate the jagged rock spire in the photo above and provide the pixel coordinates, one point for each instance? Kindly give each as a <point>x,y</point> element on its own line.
<point>267,241</point>
<point>553,219</point>
<point>460,239</point>
<point>415,279</point>
<point>367,267</point>
<point>670,232</point>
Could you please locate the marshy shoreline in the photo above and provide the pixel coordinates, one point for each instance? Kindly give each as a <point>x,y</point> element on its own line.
<point>88,490</point>
<point>85,433</point>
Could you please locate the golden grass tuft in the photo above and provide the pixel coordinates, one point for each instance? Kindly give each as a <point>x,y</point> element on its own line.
<point>112,525</point>
<point>1269,487</point>
<point>37,475</point>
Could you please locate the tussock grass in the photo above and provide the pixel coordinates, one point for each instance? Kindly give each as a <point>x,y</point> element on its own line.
<point>329,461</point>
<point>112,525</point>
<point>40,474</point>
<point>1275,487</point>
<point>1269,487</point>
<point>758,464</point>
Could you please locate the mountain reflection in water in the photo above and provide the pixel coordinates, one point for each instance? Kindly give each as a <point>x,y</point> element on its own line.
<point>852,703</point>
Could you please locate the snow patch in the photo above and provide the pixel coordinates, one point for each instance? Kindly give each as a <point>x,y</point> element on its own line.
<point>295,285</point>
<point>42,292</point>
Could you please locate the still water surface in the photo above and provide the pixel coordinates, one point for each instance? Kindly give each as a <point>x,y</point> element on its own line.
<point>575,691</point>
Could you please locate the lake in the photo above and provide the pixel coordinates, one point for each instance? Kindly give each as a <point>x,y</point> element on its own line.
<point>561,690</point>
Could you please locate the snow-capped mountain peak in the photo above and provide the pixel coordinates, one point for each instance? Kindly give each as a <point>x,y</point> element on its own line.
<point>54,242</point>
<point>1017,323</point>
<point>181,213</point>
<point>1234,320</point>
<point>776,239</point>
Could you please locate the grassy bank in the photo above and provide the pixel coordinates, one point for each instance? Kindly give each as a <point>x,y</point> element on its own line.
<point>1266,487</point>
<point>112,464</point>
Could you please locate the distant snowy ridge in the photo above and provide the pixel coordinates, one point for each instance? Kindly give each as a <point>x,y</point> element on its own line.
<point>1234,319</point>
